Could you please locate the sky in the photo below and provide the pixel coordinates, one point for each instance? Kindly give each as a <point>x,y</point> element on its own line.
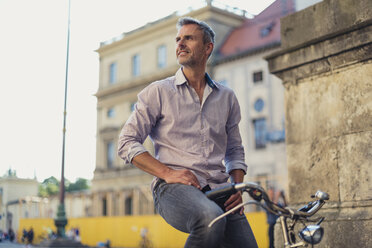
<point>33,49</point>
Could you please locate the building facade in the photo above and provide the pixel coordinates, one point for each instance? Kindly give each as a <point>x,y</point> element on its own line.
<point>19,200</point>
<point>240,64</point>
<point>12,189</point>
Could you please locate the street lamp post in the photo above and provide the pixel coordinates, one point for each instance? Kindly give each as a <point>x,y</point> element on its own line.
<point>61,220</point>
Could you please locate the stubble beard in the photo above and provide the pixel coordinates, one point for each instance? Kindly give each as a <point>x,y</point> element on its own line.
<point>188,62</point>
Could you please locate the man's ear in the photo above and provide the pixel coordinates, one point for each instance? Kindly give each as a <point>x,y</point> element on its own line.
<point>209,48</point>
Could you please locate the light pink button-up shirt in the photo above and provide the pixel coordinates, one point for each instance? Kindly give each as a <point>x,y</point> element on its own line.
<point>185,133</point>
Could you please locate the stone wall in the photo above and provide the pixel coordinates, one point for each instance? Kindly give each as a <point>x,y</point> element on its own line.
<point>326,67</point>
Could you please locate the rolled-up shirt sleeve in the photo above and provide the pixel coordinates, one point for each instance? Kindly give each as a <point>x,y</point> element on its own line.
<point>139,124</point>
<point>234,158</point>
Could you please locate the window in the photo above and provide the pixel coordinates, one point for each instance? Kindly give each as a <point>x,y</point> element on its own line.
<point>162,56</point>
<point>257,77</point>
<point>128,206</point>
<point>136,65</point>
<point>276,136</point>
<point>111,113</point>
<point>259,105</point>
<point>260,133</point>
<point>266,30</point>
<point>110,152</point>
<point>113,71</point>
<point>104,206</point>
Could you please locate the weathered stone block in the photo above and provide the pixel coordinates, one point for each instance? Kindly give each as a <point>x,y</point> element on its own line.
<point>322,57</point>
<point>342,234</point>
<point>355,159</point>
<point>339,232</point>
<point>323,19</point>
<point>311,167</point>
<point>330,105</point>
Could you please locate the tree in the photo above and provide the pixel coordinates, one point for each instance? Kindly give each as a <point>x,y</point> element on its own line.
<point>50,186</point>
<point>79,184</point>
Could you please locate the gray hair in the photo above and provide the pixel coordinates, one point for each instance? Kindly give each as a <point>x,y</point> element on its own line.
<point>208,33</point>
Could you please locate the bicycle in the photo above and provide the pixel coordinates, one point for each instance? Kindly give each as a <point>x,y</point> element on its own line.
<point>289,217</point>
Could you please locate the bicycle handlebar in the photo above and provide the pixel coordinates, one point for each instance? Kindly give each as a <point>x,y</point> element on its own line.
<point>227,190</point>
<point>258,193</point>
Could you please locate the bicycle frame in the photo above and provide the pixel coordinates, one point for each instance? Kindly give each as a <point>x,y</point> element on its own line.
<point>310,235</point>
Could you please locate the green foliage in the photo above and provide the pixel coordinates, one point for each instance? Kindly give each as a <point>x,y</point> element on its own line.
<point>50,186</point>
<point>79,184</point>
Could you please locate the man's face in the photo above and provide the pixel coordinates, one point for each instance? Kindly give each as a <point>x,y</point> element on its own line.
<point>190,48</point>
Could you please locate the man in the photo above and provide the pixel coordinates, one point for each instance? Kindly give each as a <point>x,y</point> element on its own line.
<point>193,123</point>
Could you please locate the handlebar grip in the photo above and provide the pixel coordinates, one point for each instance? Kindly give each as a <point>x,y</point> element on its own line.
<point>227,190</point>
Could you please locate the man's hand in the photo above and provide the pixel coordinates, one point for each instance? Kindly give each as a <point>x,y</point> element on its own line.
<point>233,201</point>
<point>182,176</point>
<point>146,162</point>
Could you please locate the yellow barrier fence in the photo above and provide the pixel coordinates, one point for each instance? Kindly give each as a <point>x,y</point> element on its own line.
<point>125,231</point>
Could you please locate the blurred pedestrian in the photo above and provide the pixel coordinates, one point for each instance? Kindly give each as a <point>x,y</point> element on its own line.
<point>277,197</point>
<point>77,234</point>
<point>30,236</point>
<point>24,235</point>
<point>11,234</point>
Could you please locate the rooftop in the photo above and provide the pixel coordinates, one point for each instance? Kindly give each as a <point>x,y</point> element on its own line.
<point>256,33</point>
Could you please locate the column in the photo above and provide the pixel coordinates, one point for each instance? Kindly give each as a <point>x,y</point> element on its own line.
<point>136,202</point>
<point>109,203</point>
<point>121,206</point>
<point>96,206</point>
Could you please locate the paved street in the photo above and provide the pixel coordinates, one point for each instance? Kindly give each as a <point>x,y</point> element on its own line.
<point>7,244</point>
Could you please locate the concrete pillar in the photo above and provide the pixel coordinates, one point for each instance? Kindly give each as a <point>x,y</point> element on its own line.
<point>109,203</point>
<point>69,206</point>
<point>83,205</point>
<point>136,201</point>
<point>20,214</point>
<point>121,204</point>
<point>96,205</point>
<point>326,67</point>
<point>40,208</point>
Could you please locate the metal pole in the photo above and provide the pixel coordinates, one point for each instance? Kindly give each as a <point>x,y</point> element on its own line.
<point>61,220</point>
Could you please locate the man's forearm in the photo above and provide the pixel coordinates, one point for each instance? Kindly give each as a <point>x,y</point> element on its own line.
<point>237,176</point>
<point>149,164</point>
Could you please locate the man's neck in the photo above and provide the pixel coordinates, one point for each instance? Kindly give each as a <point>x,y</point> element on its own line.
<point>195,77</point>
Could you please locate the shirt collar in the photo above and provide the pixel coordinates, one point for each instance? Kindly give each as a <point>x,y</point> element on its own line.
<point>181,79</point>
